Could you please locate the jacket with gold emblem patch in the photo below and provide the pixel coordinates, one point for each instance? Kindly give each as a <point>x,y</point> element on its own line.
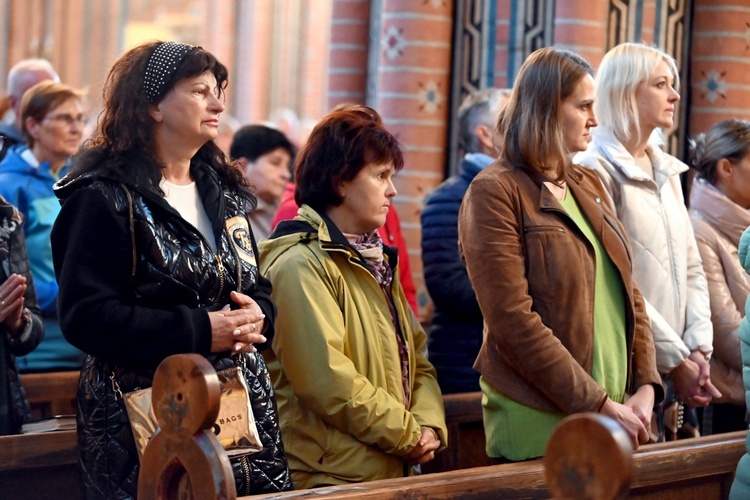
<point>136,284</point>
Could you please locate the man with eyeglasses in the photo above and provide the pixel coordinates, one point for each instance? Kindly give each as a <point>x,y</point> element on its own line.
<point>21,77</point>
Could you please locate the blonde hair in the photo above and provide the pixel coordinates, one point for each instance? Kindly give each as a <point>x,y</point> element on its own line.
<point>622,71</point>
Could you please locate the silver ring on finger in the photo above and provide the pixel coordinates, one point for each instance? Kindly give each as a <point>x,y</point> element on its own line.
<point>254,327</point>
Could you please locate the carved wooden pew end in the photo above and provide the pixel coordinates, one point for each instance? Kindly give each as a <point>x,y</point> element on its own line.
<point>184,459</point>
<point>588,456</point>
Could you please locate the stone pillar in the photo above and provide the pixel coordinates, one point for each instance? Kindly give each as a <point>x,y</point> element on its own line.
<point>720,63</point>
<point>409,82</point>
<point>252,81</point>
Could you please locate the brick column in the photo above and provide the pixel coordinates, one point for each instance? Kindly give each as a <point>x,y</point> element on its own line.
<point>314,43</point>
<point>720,63</point>
<point>350,29</point>
<point>502,44</point>
<point>409,85</point>
<point>582,28</point>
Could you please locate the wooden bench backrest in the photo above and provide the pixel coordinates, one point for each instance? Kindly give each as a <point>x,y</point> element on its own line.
<point>702,467</point>
<point>34,465</point>
<point>691,468</point>
<point>51,394</point>
<point>463,414</point>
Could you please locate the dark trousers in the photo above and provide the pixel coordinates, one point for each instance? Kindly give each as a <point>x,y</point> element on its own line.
<point>719,418</point>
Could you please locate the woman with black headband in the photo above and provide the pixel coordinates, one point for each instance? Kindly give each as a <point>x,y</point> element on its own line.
<point>155,256</point>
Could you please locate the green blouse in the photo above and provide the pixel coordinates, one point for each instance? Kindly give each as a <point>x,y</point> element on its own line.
<point>519,432</point>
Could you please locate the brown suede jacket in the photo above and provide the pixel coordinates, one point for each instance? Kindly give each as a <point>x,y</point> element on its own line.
<point>533,273</point>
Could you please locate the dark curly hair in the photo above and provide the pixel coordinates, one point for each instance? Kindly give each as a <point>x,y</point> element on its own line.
<point>123,144</point>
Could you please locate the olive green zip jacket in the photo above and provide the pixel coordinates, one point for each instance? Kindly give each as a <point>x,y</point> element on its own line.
<point>334,360</point>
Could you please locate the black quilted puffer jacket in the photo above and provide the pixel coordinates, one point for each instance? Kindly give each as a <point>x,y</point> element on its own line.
<point>14,408</point>
<point>129,314</point>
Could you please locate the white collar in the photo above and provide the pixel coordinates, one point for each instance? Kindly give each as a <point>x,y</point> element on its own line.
<point>27,156</point>
<point>611,148</point>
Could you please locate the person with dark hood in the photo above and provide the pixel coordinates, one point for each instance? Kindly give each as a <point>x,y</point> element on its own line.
<point>21,324</point>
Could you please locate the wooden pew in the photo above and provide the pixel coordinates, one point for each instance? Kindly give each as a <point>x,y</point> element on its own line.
<point>40,466</point>
<point>466,441</point>
<point>51,394</point>
<point>184,458</point>
<point>26,458</point>
<point>692,468</point>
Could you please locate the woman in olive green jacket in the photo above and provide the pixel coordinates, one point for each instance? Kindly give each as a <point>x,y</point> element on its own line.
<point>358,399</point>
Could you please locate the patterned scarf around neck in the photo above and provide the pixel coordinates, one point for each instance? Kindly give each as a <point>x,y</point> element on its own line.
<point>370,246</point>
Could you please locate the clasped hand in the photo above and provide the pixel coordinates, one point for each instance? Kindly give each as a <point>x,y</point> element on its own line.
<point>425,449</point>
<point>237,329</point>
<point>11,303</point>
<point>635,415</point>
<point>692,381</point>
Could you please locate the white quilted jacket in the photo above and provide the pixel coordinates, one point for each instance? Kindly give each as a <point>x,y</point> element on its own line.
<point>666,263</point>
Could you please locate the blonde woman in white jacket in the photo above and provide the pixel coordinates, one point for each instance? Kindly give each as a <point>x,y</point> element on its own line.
<point>635,98</point>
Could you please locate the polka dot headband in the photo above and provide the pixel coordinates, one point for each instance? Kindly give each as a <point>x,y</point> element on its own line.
<point>162,64</point>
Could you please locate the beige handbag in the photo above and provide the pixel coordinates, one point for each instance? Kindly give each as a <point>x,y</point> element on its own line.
<point>235,425</point>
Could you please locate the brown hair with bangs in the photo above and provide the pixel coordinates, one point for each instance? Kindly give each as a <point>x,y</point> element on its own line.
<point>339,147</point>
<point>532,119</point>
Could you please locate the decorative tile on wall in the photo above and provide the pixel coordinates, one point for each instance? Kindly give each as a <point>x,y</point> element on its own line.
<point>409,78</point>
<point>720,63</point>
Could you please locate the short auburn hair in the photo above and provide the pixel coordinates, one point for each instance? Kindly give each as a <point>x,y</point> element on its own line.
<point>339,147</point>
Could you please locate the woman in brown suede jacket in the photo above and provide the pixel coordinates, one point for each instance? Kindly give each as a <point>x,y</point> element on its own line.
<point>565,328</point>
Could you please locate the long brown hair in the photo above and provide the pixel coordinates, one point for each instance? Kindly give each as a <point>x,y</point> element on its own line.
<point>123,143</point>
<point>532,120</point>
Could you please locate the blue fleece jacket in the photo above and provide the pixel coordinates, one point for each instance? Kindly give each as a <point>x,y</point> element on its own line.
<point>28,185</point>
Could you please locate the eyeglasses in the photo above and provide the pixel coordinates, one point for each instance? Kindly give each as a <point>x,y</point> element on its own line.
<point>68,119</point>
